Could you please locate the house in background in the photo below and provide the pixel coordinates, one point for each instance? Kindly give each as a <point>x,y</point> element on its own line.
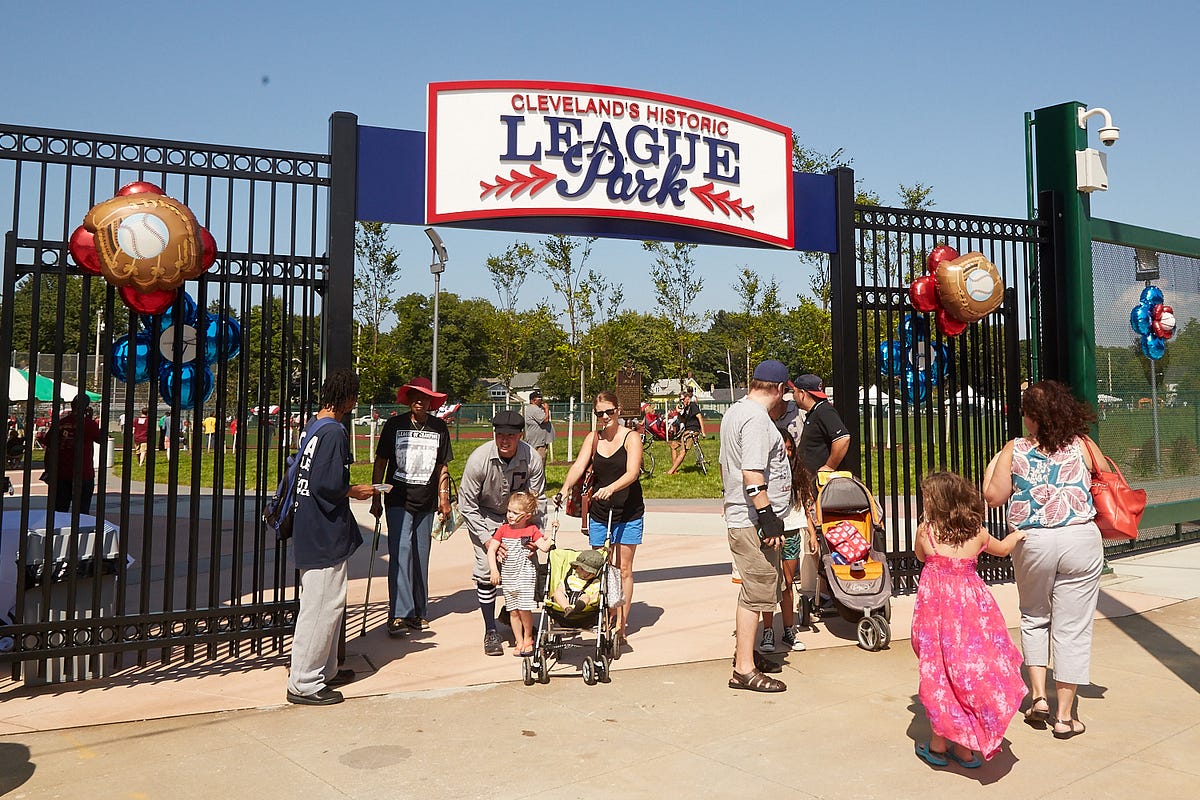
<point>518,389</point>
<point>666,392</point>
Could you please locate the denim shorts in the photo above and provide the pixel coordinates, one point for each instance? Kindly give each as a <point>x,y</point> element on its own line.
<point>628,532</point>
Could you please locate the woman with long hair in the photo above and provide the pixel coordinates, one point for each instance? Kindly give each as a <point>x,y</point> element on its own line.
<point>1045,477</point>
<point>615,453</point>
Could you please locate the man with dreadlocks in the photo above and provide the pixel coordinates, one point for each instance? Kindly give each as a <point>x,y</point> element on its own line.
<point>326,534</point>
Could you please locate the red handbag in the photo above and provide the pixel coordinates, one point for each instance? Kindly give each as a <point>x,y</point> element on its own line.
<point>1119,508</point>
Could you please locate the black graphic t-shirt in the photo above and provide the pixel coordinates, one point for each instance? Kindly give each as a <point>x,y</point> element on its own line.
<point>415,454</point>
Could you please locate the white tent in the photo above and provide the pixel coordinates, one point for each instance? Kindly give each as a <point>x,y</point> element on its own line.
<point>871,395</point>
<point>1108,398</point>
<point>45,390</point>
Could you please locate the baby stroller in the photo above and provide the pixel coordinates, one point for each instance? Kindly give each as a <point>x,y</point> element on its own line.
<point>852,558</point>
<point>562,628</point>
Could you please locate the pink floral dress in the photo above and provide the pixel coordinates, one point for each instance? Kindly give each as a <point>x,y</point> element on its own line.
<point>970,669</point>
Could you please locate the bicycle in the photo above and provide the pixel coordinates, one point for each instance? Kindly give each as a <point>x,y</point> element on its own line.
<point>647,457</point>
<point>691,441</point>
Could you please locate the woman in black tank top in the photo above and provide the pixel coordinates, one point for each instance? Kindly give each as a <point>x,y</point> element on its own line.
<point>615,453</point>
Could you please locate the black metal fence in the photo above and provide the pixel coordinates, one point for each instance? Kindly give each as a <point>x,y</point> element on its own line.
<point>188,567</point>
<point>917,400</point>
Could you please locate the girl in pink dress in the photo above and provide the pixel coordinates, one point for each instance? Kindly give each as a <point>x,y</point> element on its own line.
<point>970,669</point>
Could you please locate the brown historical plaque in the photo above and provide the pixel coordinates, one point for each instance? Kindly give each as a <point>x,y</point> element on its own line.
<point>629,393</point>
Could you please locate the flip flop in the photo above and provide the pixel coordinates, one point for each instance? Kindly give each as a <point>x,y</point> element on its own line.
<point>974,763</point>
<point>930,757</point>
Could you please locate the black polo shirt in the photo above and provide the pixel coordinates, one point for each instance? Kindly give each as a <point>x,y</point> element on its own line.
<point>822,427</point>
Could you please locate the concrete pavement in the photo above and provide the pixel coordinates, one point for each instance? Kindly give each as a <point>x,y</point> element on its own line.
<point>433,717</point>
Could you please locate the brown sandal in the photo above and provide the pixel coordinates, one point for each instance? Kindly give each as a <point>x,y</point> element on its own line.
<point>1038,717</point>
<point>1071,729</point>
<point>755,681</point>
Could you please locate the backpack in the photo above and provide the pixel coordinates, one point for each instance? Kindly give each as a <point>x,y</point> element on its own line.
<point>280,511</point>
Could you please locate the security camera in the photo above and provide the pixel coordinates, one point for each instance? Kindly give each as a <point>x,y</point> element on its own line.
<point>1109,135</point>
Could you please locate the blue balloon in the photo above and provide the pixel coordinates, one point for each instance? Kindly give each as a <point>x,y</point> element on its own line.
<point>1151,296</point>
<point>1153,347</point>
<point>190,388</point>
<point>188,317</point>
<point>891,359</point>
<point>222,339</point>
<point>1139,319</point>
<point>916,386</point>
<point>131,362</point>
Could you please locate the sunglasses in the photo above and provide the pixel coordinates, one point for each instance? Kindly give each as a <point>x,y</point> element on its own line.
<point>607,412</point>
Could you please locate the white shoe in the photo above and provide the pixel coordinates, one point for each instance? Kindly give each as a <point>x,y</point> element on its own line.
<point>791,642</point>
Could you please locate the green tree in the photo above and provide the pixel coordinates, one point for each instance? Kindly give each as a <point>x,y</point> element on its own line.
<point>377,270</point>
<point>561,261</point>
<point>676,286</point>
<point>508,272</point>
<point>464,345</point>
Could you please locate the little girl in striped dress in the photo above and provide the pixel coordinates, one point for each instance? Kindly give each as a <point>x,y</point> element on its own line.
<point>518,575</point>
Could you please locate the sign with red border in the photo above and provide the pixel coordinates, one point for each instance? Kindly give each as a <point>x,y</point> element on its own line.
<point>546,149</point>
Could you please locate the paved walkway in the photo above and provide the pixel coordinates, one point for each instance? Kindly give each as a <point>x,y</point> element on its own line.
<point>423,707</point>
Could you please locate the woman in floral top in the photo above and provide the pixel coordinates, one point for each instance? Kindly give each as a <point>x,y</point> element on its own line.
<point>1045,477</point>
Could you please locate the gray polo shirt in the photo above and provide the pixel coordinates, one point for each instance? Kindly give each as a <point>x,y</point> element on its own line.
<point>538,432</point>
<point>750,440</point>
<point>488,480</point>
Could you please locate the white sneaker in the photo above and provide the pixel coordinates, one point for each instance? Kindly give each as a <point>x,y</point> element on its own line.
<point>790,641</point>
<point>767,645</point>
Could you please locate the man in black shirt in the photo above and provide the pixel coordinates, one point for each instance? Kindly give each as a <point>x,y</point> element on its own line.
<point>411,457</point>
<point>691,425</point>
<point>325,535</point>
<point>825,439</point>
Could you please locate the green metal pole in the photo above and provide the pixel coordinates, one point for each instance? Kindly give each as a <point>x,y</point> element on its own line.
<point>1032,288</point>
<point>1058,136</point>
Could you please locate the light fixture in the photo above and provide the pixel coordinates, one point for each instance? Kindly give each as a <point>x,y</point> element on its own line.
<point>440,257</point>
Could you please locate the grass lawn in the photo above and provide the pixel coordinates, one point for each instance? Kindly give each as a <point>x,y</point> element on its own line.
<point>689,483</point>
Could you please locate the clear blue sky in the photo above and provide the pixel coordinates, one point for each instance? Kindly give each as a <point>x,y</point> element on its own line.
<point>932,92</point>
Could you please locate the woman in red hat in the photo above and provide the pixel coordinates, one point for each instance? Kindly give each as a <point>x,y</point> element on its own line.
<point>413,451</point>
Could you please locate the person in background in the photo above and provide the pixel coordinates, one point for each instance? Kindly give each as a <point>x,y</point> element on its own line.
<point>492,473</point>
<point>74,432</point>
<point>539,430</point>
<point>825,439</point>
<point>141,435</point>
<point>691,427</point>
<point>210,432</point>
<point>325,535</point>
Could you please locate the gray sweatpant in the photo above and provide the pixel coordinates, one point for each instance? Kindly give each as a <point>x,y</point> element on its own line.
<point>315,642</point>
<point>1058,580</point>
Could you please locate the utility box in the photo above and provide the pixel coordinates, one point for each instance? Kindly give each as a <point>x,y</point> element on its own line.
<point>1091,170</point>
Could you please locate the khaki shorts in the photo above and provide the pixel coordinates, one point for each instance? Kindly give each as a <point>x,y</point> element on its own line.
<point>758,566</point>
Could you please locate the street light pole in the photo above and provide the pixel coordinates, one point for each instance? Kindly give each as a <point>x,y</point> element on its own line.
<point>440,257</point>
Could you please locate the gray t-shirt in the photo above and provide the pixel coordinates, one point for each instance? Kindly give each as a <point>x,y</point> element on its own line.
<point>750,440</point>
<point>538,432</point>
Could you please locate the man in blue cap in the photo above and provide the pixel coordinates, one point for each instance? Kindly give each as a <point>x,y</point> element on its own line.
<point>757,481</point>
<point>493,472</point>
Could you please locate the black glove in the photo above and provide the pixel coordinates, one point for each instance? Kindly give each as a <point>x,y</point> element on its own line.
<point>769,525</point>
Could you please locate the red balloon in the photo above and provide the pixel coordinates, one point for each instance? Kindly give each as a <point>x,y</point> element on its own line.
<point>83,249</point>
<point>922,292</point>
<point>943,252</point>
<point>210,248</point>
<point>152,303</point>
<point>948,325</point>
<point>1163,324</point>
<point>139,187</point>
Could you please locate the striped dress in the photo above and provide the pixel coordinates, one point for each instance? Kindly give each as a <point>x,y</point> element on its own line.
<point>518,573</point>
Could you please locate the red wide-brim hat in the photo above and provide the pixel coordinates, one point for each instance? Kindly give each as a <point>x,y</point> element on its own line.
<point>423,386</point>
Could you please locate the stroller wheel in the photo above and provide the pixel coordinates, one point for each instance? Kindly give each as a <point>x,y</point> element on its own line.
<point>527,672</point>
<point>603,667</point>
<point>868,634</point>
<point>887,609</point>
<point>806,610</point>
<point>884,630</point>
<point>543,672</point>
<point>589,671</point>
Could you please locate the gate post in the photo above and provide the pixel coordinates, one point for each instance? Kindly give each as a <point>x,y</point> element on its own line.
<point>337,312</point>
<point>1058,138</point>
<point>843,316</point>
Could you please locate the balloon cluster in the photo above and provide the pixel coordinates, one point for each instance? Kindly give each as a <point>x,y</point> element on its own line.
<point>1153,322</point>
<point>144,243</point>
<point>193,382</point>
<point>919,362</point>
<point>960,289</point>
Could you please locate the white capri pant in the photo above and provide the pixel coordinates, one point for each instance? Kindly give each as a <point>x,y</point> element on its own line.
<point>1058,580</point>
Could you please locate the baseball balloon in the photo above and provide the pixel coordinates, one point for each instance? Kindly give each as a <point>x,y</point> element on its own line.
<point>209,245</point>
<point>139,187</point>
<point>948,325</point>
<point>83,249</point>
<point>142,235</point>
<point>943,252</point>
<point>1163,325</point>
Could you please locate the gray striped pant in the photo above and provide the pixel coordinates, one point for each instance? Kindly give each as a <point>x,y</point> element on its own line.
<point>1058,580</point>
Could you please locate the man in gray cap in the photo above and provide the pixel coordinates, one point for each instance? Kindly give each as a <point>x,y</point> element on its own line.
<point>493,472</point>
<point>539,430</point>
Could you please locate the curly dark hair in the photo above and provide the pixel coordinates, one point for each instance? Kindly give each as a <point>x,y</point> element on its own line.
<point>804,483</point>
<point>339,388</point>
<point>1059,417</point>
<point>953,506</point>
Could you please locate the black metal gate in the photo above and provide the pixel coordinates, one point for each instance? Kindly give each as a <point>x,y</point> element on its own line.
<point>958,424</point>
<point>189,568</point>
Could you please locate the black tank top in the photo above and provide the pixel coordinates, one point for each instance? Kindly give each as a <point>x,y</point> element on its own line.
<point>626,504</point>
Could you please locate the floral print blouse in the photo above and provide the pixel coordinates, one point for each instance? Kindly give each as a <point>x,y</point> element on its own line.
<point>1049,491</point>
